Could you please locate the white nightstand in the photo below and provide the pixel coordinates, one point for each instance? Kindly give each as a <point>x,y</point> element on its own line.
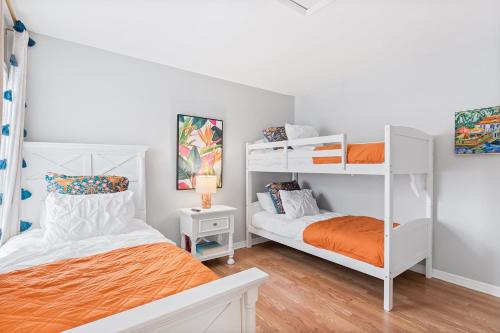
<point>217,220</point>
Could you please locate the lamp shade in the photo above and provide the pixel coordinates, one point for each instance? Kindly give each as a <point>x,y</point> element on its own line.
<point>206,184</point>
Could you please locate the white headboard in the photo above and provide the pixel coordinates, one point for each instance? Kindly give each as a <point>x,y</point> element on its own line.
<point>81,159</point>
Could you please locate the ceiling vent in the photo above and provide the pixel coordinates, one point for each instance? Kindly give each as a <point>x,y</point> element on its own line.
<point>307,7</point>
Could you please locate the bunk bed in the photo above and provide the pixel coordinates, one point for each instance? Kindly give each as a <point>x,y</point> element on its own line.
<point>404,151</point>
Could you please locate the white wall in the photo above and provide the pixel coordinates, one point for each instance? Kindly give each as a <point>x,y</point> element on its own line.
<point>426,69</point>
<point>82,94</point>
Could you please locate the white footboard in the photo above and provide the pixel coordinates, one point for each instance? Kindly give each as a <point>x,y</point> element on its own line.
<point>409,243</point>
<point>224,305</point>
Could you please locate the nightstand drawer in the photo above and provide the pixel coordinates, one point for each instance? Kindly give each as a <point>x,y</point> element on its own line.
<point>219,223</point>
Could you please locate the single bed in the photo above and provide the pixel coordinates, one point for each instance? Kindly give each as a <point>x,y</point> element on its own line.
<point>132,281</point>
<point>55,287</point>
<point>357,237</point>
<point>356,153</point>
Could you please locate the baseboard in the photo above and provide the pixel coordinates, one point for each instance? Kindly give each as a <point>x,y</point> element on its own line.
<point>486,288</point>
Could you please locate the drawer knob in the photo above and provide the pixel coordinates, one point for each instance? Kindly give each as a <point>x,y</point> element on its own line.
<point>214,224</point>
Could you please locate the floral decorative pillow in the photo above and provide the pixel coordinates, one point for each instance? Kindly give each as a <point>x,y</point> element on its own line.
<point>81,185</point>
<point>275,134</point>
<point>274,191</point>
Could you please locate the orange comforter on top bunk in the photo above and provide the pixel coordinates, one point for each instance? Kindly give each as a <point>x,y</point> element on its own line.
<point>357,153</point>
<point>68,293</point>
<point>358,237</point>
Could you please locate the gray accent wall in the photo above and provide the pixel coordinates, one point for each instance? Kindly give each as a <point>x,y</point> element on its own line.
<point>85,95</point>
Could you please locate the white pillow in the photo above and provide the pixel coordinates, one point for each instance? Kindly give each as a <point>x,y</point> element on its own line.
<point>300,131</point>
<point>299,203</point>
<point>266,202</point>
<point>264,140</point>
<point>76,217</point>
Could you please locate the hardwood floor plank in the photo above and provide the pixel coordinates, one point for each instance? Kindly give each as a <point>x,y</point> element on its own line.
<point>308,294</point>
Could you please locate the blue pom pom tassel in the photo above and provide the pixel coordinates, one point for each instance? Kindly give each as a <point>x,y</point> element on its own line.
<point>3,164</point>
<point>31,42</point>
<point>25,194</point>
<point>24,164</point>
<point>19,26</point>
<point>1,199</point>
<point>6,130</point>
<point>25,133</point>
<point>13,60</point>
<point>25,225</point>
<point>7,95</point>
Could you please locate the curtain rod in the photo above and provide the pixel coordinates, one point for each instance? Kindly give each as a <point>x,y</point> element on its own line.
<point>12,11</point>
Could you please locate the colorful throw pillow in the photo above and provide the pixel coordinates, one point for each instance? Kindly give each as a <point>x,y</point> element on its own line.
<point>274,190</point>
<point>275,134</point>
<point>80,185</point>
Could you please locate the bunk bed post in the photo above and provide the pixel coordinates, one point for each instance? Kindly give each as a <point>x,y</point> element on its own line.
<point>388,218</point>
<point>430,208</point>
<point>248,198</point>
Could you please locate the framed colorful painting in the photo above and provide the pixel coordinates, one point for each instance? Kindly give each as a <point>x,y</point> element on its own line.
<point>478,131</point>
<point>199,150</point>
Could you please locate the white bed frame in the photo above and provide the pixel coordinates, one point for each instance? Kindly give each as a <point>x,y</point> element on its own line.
<point>224,305</point>
<point>407,152</point>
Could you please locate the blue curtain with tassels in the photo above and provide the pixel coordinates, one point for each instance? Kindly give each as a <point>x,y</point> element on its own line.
<point>12,138</point>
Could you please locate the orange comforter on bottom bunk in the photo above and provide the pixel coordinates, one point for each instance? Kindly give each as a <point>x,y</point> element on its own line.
<point>357,153</point>
<point>68,293</point>
<point>358,237</point>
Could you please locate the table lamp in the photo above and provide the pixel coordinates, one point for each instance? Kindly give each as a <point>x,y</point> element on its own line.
<point>206,185</point>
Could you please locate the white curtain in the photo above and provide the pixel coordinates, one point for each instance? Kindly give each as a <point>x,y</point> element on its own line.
<point>13,132</point>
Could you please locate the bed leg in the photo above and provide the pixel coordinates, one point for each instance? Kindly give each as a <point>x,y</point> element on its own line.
<point>249,240</point>
<point>250,300</point>
<point>428,267</point>
<point>388,294</point>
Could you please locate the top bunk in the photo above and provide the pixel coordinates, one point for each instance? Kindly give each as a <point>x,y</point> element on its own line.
<point>404,150</point>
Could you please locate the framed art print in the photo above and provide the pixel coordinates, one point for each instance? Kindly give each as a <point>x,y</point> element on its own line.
<point>478,131</point>
<point>199,150</point>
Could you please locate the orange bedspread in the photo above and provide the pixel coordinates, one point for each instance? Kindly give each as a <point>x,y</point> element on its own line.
<point>68,293</point>
<point>357,153</point>
<point>358,237</point>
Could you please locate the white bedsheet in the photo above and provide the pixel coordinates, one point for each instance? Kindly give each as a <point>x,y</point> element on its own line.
<point>278,223</point>
<point>30,248</point>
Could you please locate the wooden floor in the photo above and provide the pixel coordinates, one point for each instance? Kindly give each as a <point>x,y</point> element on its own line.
<point>308,294</point>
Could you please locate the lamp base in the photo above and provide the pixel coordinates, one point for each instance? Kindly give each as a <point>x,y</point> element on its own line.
<point>206,200</point>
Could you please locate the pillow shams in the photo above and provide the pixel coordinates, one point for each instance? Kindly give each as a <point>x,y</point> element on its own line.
<point>300,131</point>
<point>76,217</point>
<point>266,202</point>
<point>299,203</point>
<point>274,191</point>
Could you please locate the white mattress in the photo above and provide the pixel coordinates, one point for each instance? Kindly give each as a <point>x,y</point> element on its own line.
<point>278,223</point>
<point>30,249</point>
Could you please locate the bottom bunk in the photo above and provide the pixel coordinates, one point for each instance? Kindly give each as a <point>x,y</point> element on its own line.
<point>353,242</point>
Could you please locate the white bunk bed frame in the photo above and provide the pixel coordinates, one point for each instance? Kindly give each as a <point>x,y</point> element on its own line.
<point>408,151</point>
<point>225,305</point>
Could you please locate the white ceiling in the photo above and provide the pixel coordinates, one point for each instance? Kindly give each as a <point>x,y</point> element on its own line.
<point>261,43</point>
